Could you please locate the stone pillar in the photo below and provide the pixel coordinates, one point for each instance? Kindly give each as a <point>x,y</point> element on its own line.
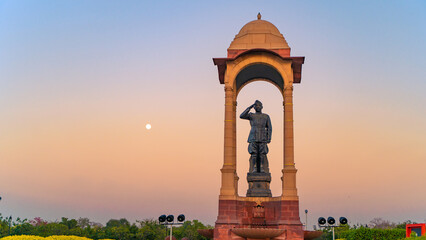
<point>289,170</point>
<point>229,168</point>
<point>234,152</point>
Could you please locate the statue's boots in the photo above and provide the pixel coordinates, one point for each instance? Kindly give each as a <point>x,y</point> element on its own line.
<point>253,167</point>
<point>261,168</point>
<point>264,166</point>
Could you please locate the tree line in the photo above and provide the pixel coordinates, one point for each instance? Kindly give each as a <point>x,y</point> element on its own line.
<point>119,229</point>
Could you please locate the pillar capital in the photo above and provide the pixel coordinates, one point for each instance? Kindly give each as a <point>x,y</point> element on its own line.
<point>288,87</point>
<point>228,88</point>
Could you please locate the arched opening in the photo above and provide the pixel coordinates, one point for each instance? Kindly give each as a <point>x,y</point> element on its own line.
<point>272,101</point>
<point>258,71</point>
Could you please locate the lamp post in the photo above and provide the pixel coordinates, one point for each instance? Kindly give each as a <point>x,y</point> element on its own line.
<point>306,223</point>
<point>331,223</point>
<point>169,220</point>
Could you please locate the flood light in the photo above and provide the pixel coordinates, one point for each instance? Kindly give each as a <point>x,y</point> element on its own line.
<point>181,218</point>
<point>162,218</point>
<point>343,220</point>
<point>170,218</point>
<point>321,221</point>
<point>331,220</point>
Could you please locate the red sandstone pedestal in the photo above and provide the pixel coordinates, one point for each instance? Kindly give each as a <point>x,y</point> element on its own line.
<point>253,213</point>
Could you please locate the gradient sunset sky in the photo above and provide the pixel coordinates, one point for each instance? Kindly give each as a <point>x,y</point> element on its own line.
<point>79,80</point>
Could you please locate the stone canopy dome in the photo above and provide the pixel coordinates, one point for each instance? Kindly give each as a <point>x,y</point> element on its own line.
<point>259,34</point>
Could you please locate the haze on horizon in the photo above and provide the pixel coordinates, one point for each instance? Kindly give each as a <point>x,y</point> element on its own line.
<point>79,80</point>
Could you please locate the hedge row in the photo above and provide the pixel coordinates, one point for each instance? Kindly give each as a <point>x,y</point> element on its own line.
<point>372,234</point>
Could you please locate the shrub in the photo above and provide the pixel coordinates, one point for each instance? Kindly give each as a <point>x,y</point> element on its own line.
<point>51,229</point>
<point>372,234</point>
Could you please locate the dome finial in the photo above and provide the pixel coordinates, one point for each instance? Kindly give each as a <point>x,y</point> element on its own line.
<point>259,16</point>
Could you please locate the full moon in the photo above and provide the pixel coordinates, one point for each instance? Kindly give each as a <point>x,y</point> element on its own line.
<point>148,126</point>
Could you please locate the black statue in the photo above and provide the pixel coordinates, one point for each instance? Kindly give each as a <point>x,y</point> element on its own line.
<point>259,137</point>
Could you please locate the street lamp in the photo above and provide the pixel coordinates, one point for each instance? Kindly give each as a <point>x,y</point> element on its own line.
<point>169,220</point>
<point>181,218</point>
<point>343,220</point>
<point>331,220</point>
<point>162,218</point>
<point>306,223</point>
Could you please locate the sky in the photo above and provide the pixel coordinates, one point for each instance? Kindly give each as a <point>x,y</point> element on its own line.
<point>79,80</point>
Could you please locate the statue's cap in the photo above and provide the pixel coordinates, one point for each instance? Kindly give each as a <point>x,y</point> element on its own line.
<point>258,102</point>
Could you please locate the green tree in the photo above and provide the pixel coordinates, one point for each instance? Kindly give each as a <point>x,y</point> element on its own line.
<point>4,226</point>
<point>119,233</point>
<point>23,229</point>
<point>83,222</point>
<point>72,223</point>
<point>95,232</point>
<point>124,222</point>
<point>50,229</point>
<point>117,223</point>
<point>403,224</point>
<point>151,230</point>
<point>189,230</point>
